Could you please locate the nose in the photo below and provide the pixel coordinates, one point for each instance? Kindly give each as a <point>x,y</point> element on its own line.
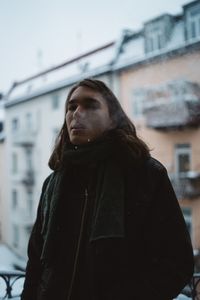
<point>79,112</point>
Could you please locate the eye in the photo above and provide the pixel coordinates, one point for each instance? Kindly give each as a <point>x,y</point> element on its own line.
<point>92,105</point>
<point>72,107</point>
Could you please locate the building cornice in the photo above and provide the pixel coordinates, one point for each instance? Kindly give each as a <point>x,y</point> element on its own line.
<point>151,58</point>
<point>116,67</point>
<point>58,86</point>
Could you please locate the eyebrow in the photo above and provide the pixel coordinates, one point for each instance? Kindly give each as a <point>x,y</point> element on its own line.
<point>87,99</point>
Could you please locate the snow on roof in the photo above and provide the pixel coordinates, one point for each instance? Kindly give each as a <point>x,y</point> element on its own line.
<point>128,50</point>
<point>133,50</point>
<point>59,76</point>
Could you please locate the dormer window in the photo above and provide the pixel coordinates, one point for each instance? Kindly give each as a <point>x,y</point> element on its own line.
<point>192,18</point>
<point>157,33</point>
<point>154,40</point>
<point>194,23</point>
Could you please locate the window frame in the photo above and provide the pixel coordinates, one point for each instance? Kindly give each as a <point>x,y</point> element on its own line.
<point>182,149</point>
<point>193,22</point>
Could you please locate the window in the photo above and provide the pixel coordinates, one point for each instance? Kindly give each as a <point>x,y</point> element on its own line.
<point>14,199</point>
<point>137,108</point>
<point>15,236</point>
<point>14,163</point>
<point>55,135</point>
<point>150,44</point>
<point>182,158</point>
<point>155,40</point>
<point>29,121</point>
<point>138,103</point>
<point>28,230</point>
<point>30,203</point>
<point>55,101</point>
<point>193,29</point>
<point>193,25</point>
<point>29,159</point>
<point>160,42</point>
<point>15,124</point>
<point>1,126</point>
<point>187,213</point>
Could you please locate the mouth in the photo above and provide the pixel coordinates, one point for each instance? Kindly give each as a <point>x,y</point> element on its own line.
<point>77,127</point>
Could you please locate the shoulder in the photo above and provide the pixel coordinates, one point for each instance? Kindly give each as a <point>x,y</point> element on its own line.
<point>47,190</point>
<point>153,172</point>
<point>150,168</point>
<point>47,181</point>
<point>153,165</point>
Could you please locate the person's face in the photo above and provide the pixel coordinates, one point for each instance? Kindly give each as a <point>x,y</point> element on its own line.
<point>87,116</point>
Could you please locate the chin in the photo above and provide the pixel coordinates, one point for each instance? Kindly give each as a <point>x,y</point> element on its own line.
<point>79,140</point>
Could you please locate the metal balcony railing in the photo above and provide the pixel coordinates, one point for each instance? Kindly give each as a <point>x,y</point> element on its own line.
<point>186,186</point>
<point>28,178</point>
<point>24,138</point>
<point>11,284</point>
<point>195,287</point>
<point>173,115</point>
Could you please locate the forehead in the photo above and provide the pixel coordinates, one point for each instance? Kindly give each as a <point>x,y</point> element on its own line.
<point>82,94</point>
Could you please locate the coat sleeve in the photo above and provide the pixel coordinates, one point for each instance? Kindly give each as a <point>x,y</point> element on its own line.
<point>34,267</point>
<point>169,256</point>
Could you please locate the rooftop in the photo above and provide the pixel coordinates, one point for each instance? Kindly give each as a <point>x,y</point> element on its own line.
<point>127,51</point>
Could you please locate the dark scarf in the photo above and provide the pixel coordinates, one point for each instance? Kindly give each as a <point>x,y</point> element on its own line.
<point>108,214</point>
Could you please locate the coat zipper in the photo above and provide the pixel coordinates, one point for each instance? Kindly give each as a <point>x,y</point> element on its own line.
<point>78,245</point>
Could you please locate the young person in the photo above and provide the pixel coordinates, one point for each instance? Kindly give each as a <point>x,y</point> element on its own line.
<point>109,226</point>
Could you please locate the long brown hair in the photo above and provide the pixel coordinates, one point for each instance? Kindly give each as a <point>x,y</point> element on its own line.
<point>124,126</point>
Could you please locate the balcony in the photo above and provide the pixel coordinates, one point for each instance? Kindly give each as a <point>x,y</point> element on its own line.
<point>186,185</point>
<point>11,284</point>
<point>173,115</point>
<point>24,138</point>
<point>25,178</point>
<point>28,178</point>
<point>172,105</point>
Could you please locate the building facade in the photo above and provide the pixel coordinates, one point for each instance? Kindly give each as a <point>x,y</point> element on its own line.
<point>34,116</point>
<point>155,74</point>
<point>160,90</point>
<point>3,212</point>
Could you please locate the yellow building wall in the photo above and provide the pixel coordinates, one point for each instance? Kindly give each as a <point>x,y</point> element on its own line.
<point>162,143</point>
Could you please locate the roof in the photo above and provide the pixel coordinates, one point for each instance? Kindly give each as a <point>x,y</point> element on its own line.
<point>190,4</point>
<point>67,73</point>
<point>126,52</point>
<point>133,51</point>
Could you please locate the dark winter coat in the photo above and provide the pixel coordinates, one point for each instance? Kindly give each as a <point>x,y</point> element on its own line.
<point>153,261</point>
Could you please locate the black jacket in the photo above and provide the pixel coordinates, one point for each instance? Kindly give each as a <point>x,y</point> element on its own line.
<point>153,261</point>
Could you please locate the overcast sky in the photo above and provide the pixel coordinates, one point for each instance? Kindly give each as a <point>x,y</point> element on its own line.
<point>37,34</point>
